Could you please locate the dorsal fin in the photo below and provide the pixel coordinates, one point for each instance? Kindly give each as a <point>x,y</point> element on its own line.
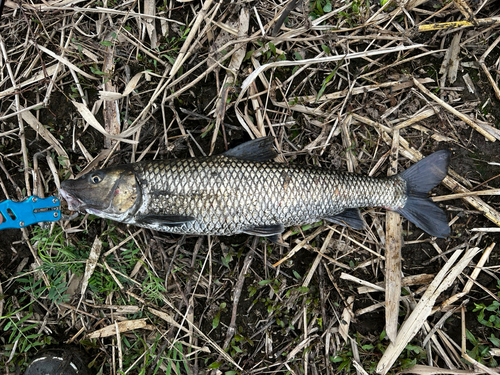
<point>260,149</point>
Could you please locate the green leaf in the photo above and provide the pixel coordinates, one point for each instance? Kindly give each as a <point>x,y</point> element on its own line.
<point>413,348</point>
<point>327,7</point>
<point>25,329</point>
<point>107,43</point>
<point>345,364</point>
<point>325,82</point>
<point>33,336</point>
<point>297,56</point>
<point>407,363</point>
<point>382,335</point>
<point>336,359</point>
<point>494,305</point>
<point>265,282</point>
<point>484,350</point>
<point>62,160</point>
<point>214,365</point>
<point>203,135</point>
<point>248,55</point>
<point>319,8</point>
<point>471,337</point>
<point>328,79</point>
<point>494,340</point>
<point>272,47</point>
<point>25,318</point>
<point>252,290</point>
<point>95,70</point>
<point>216,321</point>
<point>12,339</point>
<point>170,59</point>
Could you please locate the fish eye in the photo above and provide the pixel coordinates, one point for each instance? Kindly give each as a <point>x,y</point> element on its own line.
<point>96,178</point>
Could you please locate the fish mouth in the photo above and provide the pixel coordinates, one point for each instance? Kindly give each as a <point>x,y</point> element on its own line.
<point>74,204</point>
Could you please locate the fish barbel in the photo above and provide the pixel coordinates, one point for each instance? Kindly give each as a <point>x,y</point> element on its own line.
<point>244,191</point>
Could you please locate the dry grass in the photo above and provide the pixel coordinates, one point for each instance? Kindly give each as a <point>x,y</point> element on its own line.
<point>349,85</point>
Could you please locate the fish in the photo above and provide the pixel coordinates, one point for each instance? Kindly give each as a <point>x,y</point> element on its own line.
<point>243,190</point>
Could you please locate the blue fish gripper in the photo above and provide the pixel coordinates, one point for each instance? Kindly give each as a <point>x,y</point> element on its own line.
<point>30,211</point>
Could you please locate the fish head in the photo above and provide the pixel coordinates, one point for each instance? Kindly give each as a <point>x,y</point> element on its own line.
<point>112,193</point>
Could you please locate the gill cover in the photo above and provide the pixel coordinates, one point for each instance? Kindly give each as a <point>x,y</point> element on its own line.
<point>113,191</point>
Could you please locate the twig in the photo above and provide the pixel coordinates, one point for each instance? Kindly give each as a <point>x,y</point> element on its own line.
<point>237,292</point>
<point>393,255</point>
<point>448,107</point>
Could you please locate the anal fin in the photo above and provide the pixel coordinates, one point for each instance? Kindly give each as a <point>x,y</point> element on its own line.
<point>350,217</point>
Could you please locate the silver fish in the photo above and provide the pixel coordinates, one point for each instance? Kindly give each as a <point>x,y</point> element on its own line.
<point>244,191</point>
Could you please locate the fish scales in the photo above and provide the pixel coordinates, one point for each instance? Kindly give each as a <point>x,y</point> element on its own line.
<point>243,190</point>
<point>227,195</point>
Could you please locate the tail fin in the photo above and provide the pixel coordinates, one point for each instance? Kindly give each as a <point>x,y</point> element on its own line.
<point>420,178</point>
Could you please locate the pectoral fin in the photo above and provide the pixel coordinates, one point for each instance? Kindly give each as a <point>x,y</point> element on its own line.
<point>350,217</point>
<point>265,230</point>
<point>171,220</point>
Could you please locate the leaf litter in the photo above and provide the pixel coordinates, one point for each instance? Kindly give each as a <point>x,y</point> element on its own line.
<point>363,87</point>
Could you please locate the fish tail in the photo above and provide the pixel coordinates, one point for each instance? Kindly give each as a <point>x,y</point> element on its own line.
<point>420,179</point>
